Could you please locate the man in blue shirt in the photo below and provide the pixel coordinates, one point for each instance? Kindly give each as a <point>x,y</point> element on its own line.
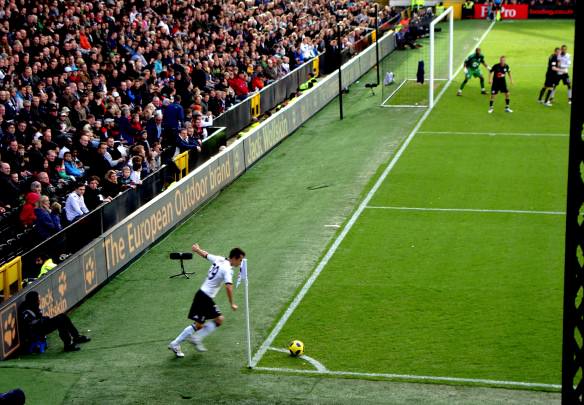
<point>174,115</point>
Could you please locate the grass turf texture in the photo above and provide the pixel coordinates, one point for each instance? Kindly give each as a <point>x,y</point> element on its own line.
<point>471,295</point>
<point>274,215</point>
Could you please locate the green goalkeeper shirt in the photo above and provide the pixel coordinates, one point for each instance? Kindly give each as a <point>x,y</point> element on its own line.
<point>474,61</point>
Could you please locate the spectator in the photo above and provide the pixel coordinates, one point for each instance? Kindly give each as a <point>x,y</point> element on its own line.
<point>71,167</point>
<point>13,397</point>
<point>35,157</point>
<point>15,159</point>
<point>27,213</point>
<point>9,193</point>
<point>92,196</point>
<point>48,221</point>
<point>35,325</point>
<point>155,128</point>
<point>35,187</point>
<point>74,75</point>
<point>239,85</point>
<point>125,180</point>
<point>46,187</point>
<point>102,161</point>
<point>75,206</point>
<point>47,141</point>
<point>110,187</point>
<point>154,158</point>
<point>184,143</point>
<point>174,115</point>
<point>136,173</point>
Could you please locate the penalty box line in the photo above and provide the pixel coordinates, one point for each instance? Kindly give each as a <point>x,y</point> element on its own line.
<point>374,207</point>
<point>333,248</point>
<point>507,134</point>
<point>418,378</point>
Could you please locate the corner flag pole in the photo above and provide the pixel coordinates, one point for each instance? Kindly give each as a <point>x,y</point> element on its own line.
<point>377,41</point>
<point>243,277</point>
<point>340,56</point>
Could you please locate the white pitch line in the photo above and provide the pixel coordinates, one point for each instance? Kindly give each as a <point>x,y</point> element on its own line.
<point>280,324</point>
<point>408,377</point>
<point>467,210</point>
<point>527,134</point>
<point>315,363</point>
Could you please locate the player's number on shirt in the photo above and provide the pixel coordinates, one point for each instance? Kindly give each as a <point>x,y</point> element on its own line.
<point>213,272</point>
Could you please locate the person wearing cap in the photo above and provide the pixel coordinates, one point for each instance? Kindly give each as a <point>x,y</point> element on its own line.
<point>64,118</point>
<point>53,118</point>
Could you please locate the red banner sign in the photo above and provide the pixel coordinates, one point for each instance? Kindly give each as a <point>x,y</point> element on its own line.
<point>509,11</point>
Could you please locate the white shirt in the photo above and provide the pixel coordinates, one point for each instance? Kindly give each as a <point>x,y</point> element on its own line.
<point>564,61</point>
<point>135,177</point>
<point>75,206</point>
<point>220,272</point>
<point>62,151</point>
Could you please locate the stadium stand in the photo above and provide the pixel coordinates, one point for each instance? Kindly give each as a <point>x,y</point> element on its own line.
<point>86,88</point>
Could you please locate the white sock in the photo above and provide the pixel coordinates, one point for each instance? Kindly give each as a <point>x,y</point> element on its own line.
<point>570,94</point>
<point>207,329</point>
<point>188,331</point>
<point>552,93</point>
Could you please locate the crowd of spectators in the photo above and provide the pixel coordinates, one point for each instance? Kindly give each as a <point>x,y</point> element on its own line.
<point>92,93</point>
<point>547,4</point>
<point>552,4</point>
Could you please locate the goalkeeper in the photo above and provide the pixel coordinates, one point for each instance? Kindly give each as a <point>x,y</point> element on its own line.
<point>472,68</point>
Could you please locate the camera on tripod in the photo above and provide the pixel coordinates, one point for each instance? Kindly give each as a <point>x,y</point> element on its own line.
<point>181,256</point>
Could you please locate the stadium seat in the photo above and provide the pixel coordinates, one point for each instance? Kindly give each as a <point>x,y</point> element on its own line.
<point>10,274</point>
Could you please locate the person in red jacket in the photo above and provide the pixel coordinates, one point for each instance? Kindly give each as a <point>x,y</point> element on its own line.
<point>257,81</point>
<point>239,85</point>
<point>27,215</point>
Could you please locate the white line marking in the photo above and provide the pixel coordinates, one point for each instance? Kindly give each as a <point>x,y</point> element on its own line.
<point>408,377</point>
<point>467,210</point>
<point>317,365</point>
<point>332,226</point>
<point>528,134</point>
<point>268,342</point>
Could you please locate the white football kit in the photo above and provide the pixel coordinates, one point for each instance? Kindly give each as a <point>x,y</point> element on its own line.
<point>564,61</point>
<point>220,272</point>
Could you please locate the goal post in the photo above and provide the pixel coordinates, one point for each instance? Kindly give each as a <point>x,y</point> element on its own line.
<point>449,12</point>
<point>414,76</point>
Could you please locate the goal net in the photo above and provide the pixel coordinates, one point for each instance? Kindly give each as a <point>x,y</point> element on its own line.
<point>416,72</point>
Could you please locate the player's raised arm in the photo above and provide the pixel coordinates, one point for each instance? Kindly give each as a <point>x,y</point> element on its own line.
<point>196,249</point>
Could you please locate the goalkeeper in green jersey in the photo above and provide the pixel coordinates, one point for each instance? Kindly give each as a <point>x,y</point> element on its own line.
<point>472,68</point>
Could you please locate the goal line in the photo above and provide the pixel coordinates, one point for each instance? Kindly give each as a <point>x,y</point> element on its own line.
<point>418,378</point>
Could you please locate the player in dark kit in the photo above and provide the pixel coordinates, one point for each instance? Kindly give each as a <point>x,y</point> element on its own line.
<point>498,82</point>
<point>551,77</point>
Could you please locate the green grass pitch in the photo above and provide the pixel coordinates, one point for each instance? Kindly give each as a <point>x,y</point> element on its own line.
<point>458,294</point>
